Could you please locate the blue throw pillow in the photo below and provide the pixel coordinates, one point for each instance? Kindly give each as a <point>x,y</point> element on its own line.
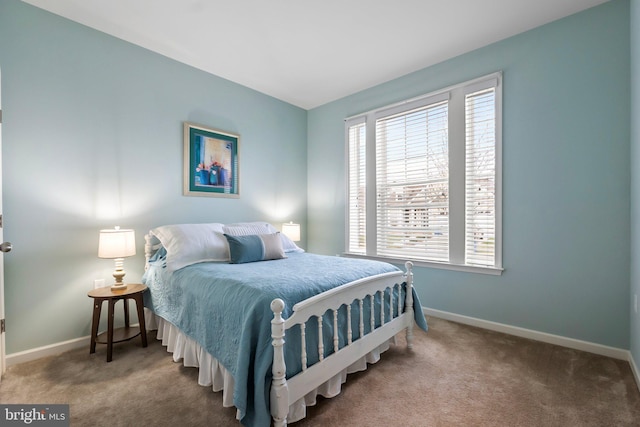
<point>255,247</point>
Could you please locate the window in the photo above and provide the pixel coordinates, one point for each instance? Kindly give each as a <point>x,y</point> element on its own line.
<point>424,179</point>
<point>357,188</point>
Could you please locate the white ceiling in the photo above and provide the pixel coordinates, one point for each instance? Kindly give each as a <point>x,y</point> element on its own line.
<point>307,52</point>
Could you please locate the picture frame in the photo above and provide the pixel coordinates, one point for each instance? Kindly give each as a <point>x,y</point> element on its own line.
<point>211,164</point>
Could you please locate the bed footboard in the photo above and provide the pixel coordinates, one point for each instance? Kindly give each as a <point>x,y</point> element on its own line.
<point>285,392</point>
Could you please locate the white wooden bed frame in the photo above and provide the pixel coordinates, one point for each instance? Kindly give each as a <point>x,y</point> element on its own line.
<point>286,391</point>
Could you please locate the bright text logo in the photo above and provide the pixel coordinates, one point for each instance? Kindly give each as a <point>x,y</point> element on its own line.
<point>38,415</point>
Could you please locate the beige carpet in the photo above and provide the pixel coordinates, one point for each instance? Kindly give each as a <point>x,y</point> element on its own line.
<point>456,376</point>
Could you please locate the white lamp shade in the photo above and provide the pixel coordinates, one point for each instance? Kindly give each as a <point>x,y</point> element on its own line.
<point>292,231</point>
<point>116,243</point>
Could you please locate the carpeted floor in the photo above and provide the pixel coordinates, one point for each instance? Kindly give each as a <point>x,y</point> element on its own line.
<point>456,375</point>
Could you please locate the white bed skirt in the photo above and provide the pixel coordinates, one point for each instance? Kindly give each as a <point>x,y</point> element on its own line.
<point>212,374</point>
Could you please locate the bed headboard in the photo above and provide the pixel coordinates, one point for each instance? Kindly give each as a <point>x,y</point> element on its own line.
<point>151,245</point>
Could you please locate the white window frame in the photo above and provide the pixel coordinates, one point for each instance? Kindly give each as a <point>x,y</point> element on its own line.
<point>456,103</point>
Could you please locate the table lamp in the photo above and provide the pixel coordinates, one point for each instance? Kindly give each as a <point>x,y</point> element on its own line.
<point>117,244</point>
<point>291,230</point>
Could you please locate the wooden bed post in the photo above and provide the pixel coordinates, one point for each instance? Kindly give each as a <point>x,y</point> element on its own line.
<point>409,303</point>
<point>279,389</point>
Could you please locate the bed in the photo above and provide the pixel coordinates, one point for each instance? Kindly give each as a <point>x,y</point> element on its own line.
<point>266,323</point>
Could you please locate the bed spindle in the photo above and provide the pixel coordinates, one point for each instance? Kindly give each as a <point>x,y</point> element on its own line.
<point>409,302</point>
<point>303,336</point>
<point>361,304</point>
<point>349,334</point>
<point>373,310</point>
<point>320,341</point>
<point>335,331</point>
<point>399,299</point>
<point>381,307</point>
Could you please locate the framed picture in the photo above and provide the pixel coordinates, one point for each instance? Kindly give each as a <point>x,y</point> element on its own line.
<point>210,162</point>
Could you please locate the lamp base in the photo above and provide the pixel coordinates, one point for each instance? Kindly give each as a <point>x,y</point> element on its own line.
<point>118,274</point>
<point>118,287</point>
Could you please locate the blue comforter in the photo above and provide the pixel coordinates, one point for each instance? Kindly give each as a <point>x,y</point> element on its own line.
<point>226,308</point>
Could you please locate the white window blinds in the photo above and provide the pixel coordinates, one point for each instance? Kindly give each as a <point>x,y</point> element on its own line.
<point>413,184</point>
<point>357,217</point>
<point>480,187</point>
<point>424,179</point>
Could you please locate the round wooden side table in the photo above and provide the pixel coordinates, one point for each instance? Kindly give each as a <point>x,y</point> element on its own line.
<point>132,291</point>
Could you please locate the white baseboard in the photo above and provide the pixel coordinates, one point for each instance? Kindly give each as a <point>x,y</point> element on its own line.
<point>47,350</point>
<point>50,350</point>
<point>603,350</point>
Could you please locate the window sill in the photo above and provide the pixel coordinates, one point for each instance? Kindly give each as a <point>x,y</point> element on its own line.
<point>494,271</point>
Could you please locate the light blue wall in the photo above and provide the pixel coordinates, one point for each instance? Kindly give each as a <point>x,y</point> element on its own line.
<point>635,177</point>
<point>92,137</point>
<point>566,178</point>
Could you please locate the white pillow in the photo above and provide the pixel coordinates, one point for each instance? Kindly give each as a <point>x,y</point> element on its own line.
<point>248,228</point>
<point>288,245</point>
<point>260,227</point>
<point>188,244</point>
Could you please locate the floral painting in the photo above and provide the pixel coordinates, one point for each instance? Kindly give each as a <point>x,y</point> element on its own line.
<point>210,162</point>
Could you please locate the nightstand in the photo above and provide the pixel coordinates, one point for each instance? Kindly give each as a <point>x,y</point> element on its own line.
<point>100,295</point>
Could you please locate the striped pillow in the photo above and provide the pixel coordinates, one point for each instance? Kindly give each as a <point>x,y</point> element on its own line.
<point>260,227</point>
<point>255,247</point>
